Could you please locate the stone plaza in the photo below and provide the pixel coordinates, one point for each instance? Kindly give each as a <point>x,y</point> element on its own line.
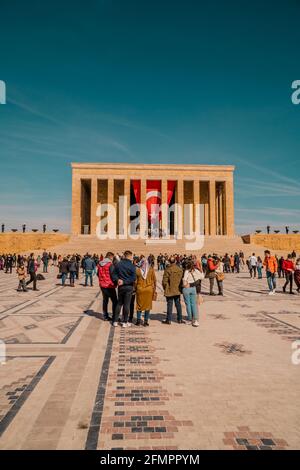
<point>71,381</point>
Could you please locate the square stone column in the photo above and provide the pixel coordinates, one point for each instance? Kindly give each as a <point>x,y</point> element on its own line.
<point>197,214</point>
<point>229,208</point>
<point>126,215</point>
<point>112,225</point>
<point>212,207</point>
<point>76,205</point>
<point>222,212</point>
<point>179,213</point>
<point>143,211</point>
<point>164,206</point>
<point>94,204</point>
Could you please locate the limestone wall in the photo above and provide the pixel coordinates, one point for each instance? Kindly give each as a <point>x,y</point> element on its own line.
<point>275,241</point>
<point>25,242</point>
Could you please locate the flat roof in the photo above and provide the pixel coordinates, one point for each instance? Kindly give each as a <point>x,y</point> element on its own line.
<point>153,166</point>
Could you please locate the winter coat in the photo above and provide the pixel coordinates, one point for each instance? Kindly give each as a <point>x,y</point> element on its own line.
<point>126,271</point>
<point>105,272</point>
<point>172,280</point>
<point>145,289</point>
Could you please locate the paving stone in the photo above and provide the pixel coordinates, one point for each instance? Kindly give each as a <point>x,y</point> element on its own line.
<point>71,381</point>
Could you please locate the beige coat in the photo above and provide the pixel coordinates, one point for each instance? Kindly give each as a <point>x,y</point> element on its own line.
<point>145,289</point>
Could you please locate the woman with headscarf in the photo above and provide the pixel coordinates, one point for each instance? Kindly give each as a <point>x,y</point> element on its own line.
<point>145,290</point>
<point>297,274</point>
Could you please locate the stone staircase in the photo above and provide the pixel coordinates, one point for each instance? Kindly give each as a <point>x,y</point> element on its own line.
<point>90,243</point>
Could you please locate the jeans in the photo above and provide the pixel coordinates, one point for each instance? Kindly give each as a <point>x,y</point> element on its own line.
<point>259,271</point>
<point>132,307</point>
<point>146,315</point>
<point>124,300</point>
<point>211,285</point>
<point>288,280</point>
<point>22,285</point>
<point>253,271</point>
<point>32,279</point>
<point>109,293</point>
<point>63,278</point>
<point>271,278</point>
<point>190,300</point>
<point>72,277</point>
<point>88,275</point>
<point>176,299</point>
<point>45,267</point>
<point>220,286</point>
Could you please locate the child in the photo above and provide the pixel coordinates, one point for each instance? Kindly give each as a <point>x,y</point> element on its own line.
<point>22,276</point>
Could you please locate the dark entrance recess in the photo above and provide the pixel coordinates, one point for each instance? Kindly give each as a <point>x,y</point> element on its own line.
<point>85,207</point>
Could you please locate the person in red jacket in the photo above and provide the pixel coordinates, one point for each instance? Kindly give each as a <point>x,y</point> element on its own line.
<point>105,271</point>
<point>289,268</point>
<point>212,265</point>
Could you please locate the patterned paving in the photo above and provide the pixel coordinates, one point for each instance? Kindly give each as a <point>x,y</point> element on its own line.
<point>20,375</point>
<point>37,329</point>
<point>73,382</point>
<point>245,439</point>
<point>136,398</point>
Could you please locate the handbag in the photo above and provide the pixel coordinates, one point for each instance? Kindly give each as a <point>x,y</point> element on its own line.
<point>196,284</point>
<point>220,276</point>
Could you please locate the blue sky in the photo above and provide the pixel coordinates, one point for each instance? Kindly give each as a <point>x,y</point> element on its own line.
<point>149,81</point>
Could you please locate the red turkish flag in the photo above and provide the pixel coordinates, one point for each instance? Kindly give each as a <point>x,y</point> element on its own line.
<point>136,184</point>
<point>153,199</point>
<point>171,188</point>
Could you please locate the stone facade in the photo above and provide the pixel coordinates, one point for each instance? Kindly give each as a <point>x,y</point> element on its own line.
<point>102,183</point>
<point>26,242</point>
<point>279,242</point>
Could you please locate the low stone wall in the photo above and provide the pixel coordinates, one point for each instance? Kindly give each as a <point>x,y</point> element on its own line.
<point>275,241</point>
<point>25,242</point>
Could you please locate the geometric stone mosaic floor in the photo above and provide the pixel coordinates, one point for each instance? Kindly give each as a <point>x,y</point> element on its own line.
<point>71,381</point>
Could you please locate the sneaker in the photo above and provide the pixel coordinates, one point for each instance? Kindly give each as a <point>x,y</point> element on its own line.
<point>129,324</point>
<point>188,322</point>
<point>115,324</point>
<point>166,322</point>
<point>146,323</point>
<point>124,325</point>
<point>274,291</point>
<point>271,292</point>
<point>196,323</point>
<point>181,321</point>
<point>138,322</point>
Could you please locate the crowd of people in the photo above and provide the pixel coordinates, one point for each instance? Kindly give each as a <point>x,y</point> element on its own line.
<point>129,282</point>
